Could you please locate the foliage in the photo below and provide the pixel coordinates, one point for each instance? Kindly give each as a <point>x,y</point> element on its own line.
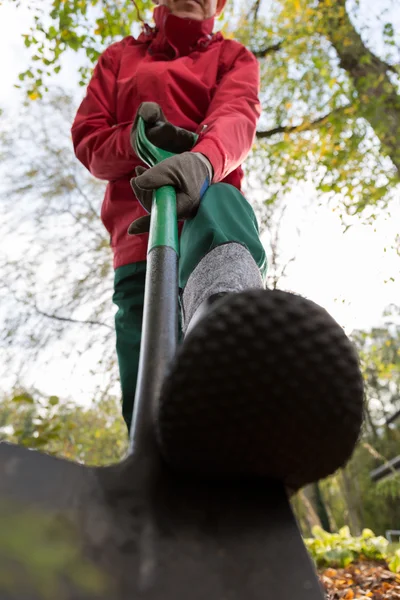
<point>394,564</point>
<point>314,125</point>
<point>85,26</point>
<point>389,487</point>
<point>341,549</point>
<point>379,351</point>
<point>95,435</point>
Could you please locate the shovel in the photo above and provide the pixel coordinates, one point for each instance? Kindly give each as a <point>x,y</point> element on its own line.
<point>137,530</point>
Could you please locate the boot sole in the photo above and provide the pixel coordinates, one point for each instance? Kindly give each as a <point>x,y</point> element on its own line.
<point>266,385</point>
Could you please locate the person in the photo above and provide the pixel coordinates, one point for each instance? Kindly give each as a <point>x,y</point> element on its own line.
<point>250,356</point>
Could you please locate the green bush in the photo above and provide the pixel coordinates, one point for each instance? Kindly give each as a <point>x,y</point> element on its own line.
<point>341,549</point>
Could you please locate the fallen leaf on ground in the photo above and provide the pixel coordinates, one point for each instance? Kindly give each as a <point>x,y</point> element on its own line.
<point>360,581</point>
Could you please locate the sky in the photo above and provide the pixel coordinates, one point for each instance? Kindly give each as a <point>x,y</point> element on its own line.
<point>355,275</point>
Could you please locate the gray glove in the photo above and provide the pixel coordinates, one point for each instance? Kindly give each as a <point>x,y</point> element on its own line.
<point>161,132</point>
<point>189,173</point>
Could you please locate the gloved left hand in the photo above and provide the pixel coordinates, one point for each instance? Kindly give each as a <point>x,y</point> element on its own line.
<point>161,132</point>
<point>189,173</point>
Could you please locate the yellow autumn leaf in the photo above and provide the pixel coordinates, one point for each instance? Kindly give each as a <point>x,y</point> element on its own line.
<point>33,95</point>
<point>330,572</point>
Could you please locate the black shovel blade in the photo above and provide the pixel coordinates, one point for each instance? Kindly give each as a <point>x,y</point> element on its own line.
<point>129,532</point>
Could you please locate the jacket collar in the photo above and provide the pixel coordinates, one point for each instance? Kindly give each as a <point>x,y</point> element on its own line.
<point>174,36</point>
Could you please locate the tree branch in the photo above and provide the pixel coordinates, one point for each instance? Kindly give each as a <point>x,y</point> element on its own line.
<point>268,50</point>
<point>393,418</point>
<point>70,320</point>
<point>304,126</point>
<point>393,68</point>
<point>254,10</point>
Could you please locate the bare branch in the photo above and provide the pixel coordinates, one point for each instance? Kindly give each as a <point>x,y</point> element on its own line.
<point>393,418</point>
<point>256,9</point>
<point>253,11</point>
<point>70,320</point>
<point>304,126</point>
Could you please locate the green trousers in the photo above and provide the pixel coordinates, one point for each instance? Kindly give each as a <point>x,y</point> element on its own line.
<point>224,216</point>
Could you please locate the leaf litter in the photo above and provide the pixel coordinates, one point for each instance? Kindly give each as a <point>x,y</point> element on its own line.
<point>359,581</point>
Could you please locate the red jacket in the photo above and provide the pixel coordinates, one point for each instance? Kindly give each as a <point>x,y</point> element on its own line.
<point>203,83</point>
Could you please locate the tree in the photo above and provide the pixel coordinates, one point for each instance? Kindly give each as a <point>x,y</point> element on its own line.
<point>316,123</point>
<point>376,94</point>
<point>331,104</point>
<point>56,282</point>
<point>379,351</point>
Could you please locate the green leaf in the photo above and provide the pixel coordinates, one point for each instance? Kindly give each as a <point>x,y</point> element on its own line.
<point>344,533</point>
<point>394,564</point>
<point>23,399</point>
<point>367,533</point>
<point>320,534</point>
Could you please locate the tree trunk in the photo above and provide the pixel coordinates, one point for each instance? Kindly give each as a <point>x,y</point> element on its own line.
<point>379,102</point>
<point>357,493</point>
<point>312,516</point>
<point>321,508</point>
<point>370,422</point>
<point>354,521</point>
<point>332,519</point>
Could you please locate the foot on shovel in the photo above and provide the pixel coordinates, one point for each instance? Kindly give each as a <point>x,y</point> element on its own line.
<point>266,384</point>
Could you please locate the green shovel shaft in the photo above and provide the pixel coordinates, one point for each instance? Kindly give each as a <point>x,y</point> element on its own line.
<point>163,226</point>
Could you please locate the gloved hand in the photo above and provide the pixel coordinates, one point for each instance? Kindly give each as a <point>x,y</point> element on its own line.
<point>189,173</point>
<point>161,132</point>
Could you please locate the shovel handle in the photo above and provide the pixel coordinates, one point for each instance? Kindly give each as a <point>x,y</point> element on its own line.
<point>160,315</point>
<point>163,227</point>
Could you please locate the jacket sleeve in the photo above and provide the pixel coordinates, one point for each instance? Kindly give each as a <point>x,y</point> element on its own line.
<point>230,123</point>
<point>100,143</point>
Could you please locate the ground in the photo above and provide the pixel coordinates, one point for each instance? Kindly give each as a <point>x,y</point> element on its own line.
<point>361,580</point>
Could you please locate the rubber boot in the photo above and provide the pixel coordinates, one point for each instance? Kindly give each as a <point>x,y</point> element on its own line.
<point>266,383</point>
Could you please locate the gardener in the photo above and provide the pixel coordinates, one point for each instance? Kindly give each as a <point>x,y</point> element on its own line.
<point>254,364</point>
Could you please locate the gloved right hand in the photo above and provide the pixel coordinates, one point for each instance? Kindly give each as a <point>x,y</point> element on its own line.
<point>161,132</point>
<point>189,173</point>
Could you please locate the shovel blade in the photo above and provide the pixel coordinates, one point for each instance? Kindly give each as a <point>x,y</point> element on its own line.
<point>136,531</point>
